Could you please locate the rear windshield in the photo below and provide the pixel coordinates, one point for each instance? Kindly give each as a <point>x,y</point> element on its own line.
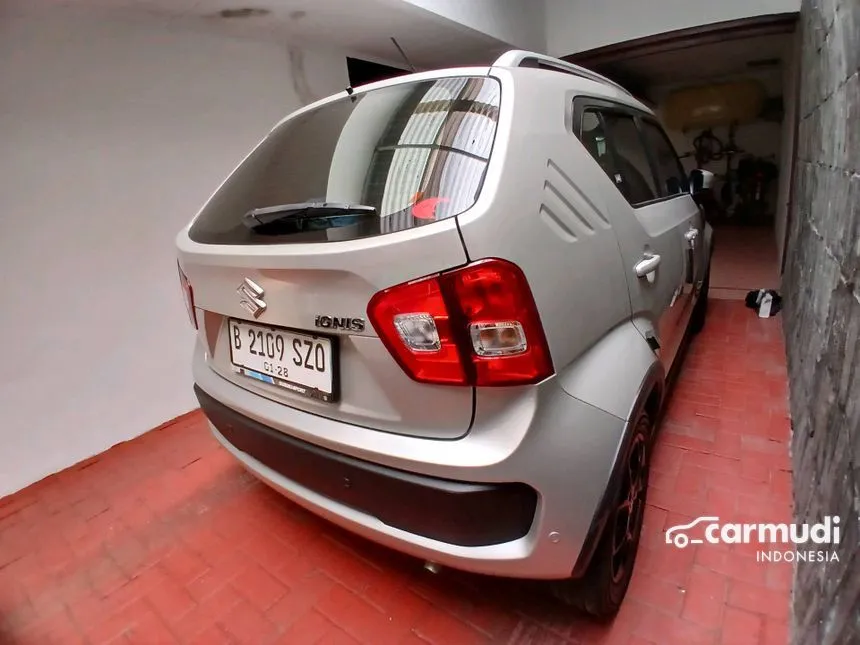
<point>415,152</point>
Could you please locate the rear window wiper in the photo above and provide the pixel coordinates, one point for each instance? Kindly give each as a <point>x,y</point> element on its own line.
<point>302,212</point>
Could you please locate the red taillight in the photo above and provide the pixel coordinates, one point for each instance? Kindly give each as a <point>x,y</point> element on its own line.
<point>187,296</point>
<point>477,325</point>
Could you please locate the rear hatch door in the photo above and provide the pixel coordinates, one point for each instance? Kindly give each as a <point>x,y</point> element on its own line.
<point>340,201</point>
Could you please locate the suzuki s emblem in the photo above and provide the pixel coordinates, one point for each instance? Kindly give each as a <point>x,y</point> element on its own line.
<point>252,297</point>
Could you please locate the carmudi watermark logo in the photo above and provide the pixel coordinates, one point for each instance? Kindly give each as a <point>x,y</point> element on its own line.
<point>779,542</point>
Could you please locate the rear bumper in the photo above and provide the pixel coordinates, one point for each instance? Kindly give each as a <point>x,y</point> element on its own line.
<point>461,513</point>
<point>515,497</point>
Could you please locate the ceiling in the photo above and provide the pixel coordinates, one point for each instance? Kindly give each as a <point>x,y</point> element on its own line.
<point>706,63</point>
<point>362,29</point>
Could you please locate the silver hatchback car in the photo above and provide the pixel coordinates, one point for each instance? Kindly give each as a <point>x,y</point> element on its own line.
<point>441,311</point>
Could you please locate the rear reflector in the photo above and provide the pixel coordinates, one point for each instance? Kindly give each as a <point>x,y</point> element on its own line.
<point>477,325</point>
<point>187,296</point>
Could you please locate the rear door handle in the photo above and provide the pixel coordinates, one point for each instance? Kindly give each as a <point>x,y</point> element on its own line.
<point>647,265</point>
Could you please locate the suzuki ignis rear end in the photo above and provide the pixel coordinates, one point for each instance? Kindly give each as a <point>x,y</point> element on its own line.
<point>437,311</point>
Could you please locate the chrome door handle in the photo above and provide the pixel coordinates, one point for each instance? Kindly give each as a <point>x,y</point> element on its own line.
<point>691,236</point>
<point>648,264</point>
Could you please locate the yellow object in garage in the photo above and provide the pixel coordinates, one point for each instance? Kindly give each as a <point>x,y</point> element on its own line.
<point>713,105</point>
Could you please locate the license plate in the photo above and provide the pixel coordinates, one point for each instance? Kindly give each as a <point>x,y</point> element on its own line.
<point>301,363</point>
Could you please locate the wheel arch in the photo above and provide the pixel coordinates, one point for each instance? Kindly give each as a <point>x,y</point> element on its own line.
<point>648,398</point>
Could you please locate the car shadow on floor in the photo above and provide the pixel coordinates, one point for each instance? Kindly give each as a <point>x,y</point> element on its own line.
<point>499,609</point>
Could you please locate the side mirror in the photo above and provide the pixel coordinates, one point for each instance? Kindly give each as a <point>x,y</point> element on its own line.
<point>700,180</point>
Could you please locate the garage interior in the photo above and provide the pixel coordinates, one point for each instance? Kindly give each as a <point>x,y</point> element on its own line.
<point>727,95</point>
<point>120,107</point>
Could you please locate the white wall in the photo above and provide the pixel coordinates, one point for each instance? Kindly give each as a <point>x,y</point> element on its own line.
<point>519,23</point>
<point>579,25</point>
<point>759,138</point>
<point>113,134</point>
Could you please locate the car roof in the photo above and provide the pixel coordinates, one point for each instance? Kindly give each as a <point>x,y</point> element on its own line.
<point>568,76</point>
<point>515,61</point>
<point>521,58</point>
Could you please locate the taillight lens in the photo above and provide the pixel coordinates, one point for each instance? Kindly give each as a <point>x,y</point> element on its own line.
<point>187,296</point>
<point>477,325</point>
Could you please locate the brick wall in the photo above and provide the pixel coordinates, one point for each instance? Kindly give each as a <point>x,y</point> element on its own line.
<point>823,317</point>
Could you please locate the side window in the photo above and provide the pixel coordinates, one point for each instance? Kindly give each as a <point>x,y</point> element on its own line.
<point>673,179</point>
<point>613,139</point>
<point>593,137</point>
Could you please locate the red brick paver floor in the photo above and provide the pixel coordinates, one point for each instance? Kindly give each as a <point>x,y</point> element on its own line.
<point>745,258</point>
<point>165,539</point>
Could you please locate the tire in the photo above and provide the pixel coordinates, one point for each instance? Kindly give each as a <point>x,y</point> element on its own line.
<point>603,587</point>
<point>700,313</point>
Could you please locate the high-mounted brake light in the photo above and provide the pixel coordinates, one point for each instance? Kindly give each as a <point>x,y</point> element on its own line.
<point>187,296</point>
<point>477,325</point>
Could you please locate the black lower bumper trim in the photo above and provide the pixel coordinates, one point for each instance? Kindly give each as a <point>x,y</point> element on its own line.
<point>461,513</point>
